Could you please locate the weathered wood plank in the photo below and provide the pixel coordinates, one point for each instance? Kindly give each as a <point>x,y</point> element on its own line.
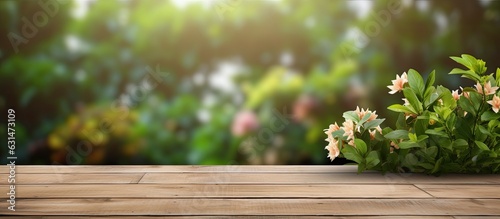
<point>476,217</point>
<point>22,179</point>
<point>230,217</point>
<point>453,179</point>
<point>193,207</point>
<point>278,169</point>
<point>216,191</point>
<point>257,178</point>
<point>462,191</point>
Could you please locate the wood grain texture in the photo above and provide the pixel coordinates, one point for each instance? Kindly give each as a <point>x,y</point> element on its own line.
<point>462,191</point>
<point>258,178</point>
<point>237,217</point>
<point>217,191</point>
<point>193,207</point>
<point>246,192</point>
<point>50,178</point>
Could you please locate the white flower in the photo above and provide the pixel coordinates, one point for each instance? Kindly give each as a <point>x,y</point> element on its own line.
<point>495,103</point>
<point>398,84</point>
<point>407,103</point>
<point>331,128</point>
<point>465,94</point>
<point>361,113</point>
<point>455,94</point>
<point>349,128</point>
<point>374,131</point>
<point>333,149</point>
<point>487,88</point>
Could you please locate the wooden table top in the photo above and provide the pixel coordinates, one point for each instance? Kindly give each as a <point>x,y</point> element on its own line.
<point>245,192</point>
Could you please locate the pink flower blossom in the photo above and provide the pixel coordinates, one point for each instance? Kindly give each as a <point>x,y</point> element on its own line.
<point>349,128</point>
<point>398,84</point>
<point>244,122</point>
<point>465,94</point>
<point>455,94</point>
<point>373,132</point>
<point>487,88</point>
<point>333,149</point>
<point>304,107</point>
<point>495,103</point>
<point>331,128</point>
<point>361,113</point>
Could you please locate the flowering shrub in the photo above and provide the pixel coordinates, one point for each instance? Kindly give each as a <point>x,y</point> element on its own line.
<point>437,131</point>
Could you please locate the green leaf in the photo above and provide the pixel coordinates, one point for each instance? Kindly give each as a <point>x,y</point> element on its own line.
<point>372,159</point>
<point>484,130</point>
<point>466,74</point>
<point>493,154</point>
<point>413,99</point>
<point>460,144</point>
<point>430,96</point>
<point>445,95</point>
<point>372,124</point>
<point>397,134</point>
<point>482,146</point>
<point>412,137</point>
<point>437,166</point>
<point>361,167</point>
<point>351,115</point>
<point>411,159</point>
<point>338,134</point>
<point>436,132</point>
<point>490,115</point>
<point>476,99</point>
<point>408,144</point>
<point>351,153</point>
<point>430,80</point>
<point>426,166</point>
<point>431,151</point>
<point>421,124</point>
<point>466,105</point>
<point>416,83</point>
<point>462,61</point>
<point>401,122</point>
<point>401,109</point>
<point>470,59</point>
<point>361,146</point>
<point>498,76</point>
<point>422,137</point>
<point>365,118</point>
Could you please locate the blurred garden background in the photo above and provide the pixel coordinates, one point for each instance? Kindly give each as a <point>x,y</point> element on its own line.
<point>217,81</point>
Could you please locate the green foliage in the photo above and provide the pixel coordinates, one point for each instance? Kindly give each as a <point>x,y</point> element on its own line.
<point>75,67</point>
<point>441,131</point>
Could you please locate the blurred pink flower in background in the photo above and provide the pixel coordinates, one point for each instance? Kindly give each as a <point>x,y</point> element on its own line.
<point>304,106</point>
<point>244,122</point>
